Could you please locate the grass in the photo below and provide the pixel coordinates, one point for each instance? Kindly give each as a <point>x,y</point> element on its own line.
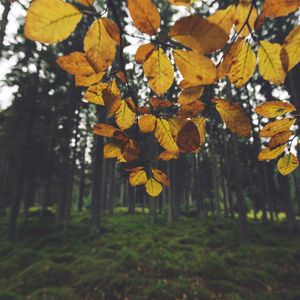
<point>132,259</point>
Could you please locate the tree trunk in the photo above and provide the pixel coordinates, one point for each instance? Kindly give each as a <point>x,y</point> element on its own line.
<point>3,24</point>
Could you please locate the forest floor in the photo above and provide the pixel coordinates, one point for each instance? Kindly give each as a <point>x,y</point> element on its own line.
<point>136,260</point>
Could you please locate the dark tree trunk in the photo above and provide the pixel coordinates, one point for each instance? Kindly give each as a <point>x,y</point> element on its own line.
<point>3,23</point>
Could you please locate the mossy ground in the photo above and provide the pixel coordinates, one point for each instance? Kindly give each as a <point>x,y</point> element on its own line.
<point>134,259</point>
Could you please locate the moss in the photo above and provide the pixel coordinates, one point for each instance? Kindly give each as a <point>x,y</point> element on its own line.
<point>41,274</point>
<point>54,294</point>
<point>7,295</point>
<point>222,286</point>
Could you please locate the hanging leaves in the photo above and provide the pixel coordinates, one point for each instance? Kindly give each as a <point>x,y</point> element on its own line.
<point>153,187</point>
<point>268,154</point>
<point>243,66</point>
<point>147,123</point>
<point>138,177</point>
<point>160,176</point>
<point>159,71</point>
<point>277,126</point>
<point>124,116</point>
<point>86,2</point>
<point>287,164</point>
<point>145,15</point>
<point>273,109</point>
<point>99,46</point>
<point>94,93</point>
<point>195,68</point>
<point>280,8</point>
<point>112,98</point>
<point>164,136</point>
<point>269,62</point>
<point>234,117</point>
<point>292,46</point>
<point>199,34</point>
<point>51,21</point>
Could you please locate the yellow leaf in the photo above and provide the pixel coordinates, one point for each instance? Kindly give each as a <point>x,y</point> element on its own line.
<point>287,164</point>
<point>234,116</point>
<point>105,130</point>
<point>86,2</point>
<point>190,105</point>
<point>159,71</point>
<point>280,139</point>
<point>99,46</point>
<point>124,116</point>
<point>111,150</point>
<point>144,15</point>
<point>224,18</point>
<point>199,34</point>
<point>273,109</point>
<point>269,62</point>
<point>268,154</point>
<point>245,11</point>
<point>277,126</point>
<point>51,21</point>
<point>280,8</point>
<point>88,80</point>
<point>292,47</point>
<point>243,66</point>
<point>166,156</point>
<point>76,64</point>
<point>112,29</point>
<point>94,93</point>
<point>160,176</point>
<point>138,178</point>
<point>225,66</point>
<point>143,52</point>
<point>195,68</point>
<point>112,98</point>
<point>153,187</point>
<point>182,2</point>
<point>147,123</point>
<point>164,136</point>
<point>201,126</point>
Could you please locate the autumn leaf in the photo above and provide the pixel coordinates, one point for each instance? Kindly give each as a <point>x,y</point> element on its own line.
<point>195,68</point>
<point>277,126</point>
<point>234,117</point>
<point>160,176</point>
<point>104,130</point>
<point>153,187</point>
<point>273,109</point>
<point>167,156</point>
<point>224,18</point>
<point>280,139</point>
<point>201,126</point>
<point>144,15</point>
<point>94,93</point>
<point>225,65</point>
<point>287,164</point>
<point>147,123</point>
<point>112,98</point>
<point>190,105</point>
<point>82,80</point>
<point>124,116</point>
<point>280,8</point>
<point>111,150</point>
<point>143,52</point>
<point>159,71</point>
<point>138,177</point>
<point>269,62</point>
<point>164,136</point>
<point>99,46</point>
<point>199,34</point>
<point>268,154</point>
<point>182,2</point>
<point>245,13</point>
<point>243,66</point>
<point>292,47</point>
<point>112,29</point>
<point>188,138</point>
<point>130,150</point>
<point>51,21</point>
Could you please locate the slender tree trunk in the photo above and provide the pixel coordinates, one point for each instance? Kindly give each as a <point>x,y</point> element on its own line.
<point>3,23</point>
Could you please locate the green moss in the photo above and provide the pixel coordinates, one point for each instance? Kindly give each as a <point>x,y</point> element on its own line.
<point>54,294</point>
<point>41,274</point>
<point>7,295</point>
